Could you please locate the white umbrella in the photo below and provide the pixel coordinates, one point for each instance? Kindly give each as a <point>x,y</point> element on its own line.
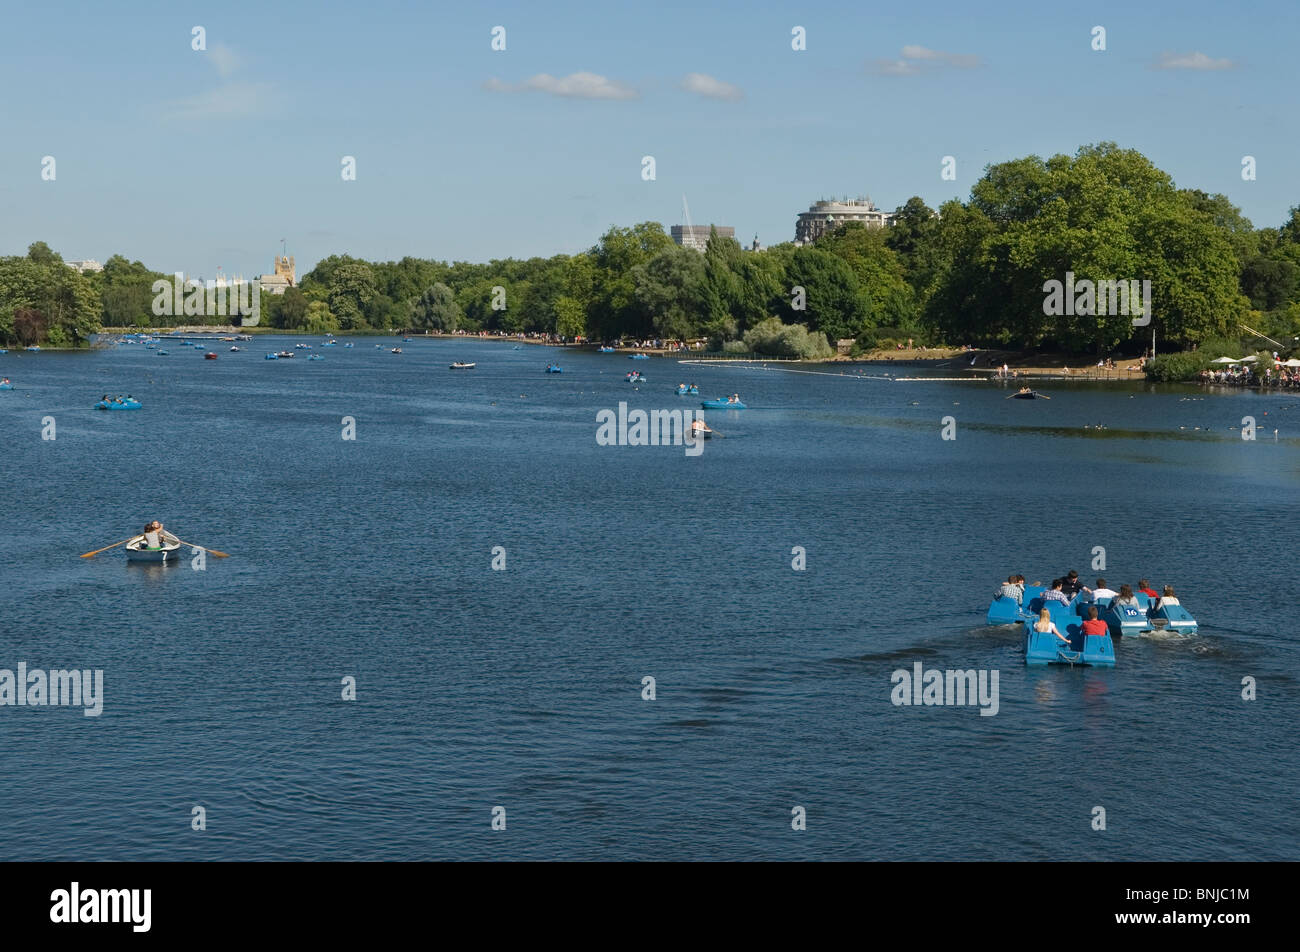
<point>1292,363</point>
<point>1249,360</point>
<point>1225,360</point>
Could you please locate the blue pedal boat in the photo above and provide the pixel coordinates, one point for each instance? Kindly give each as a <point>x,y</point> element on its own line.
<point>722,405</point>
<point>1043,647</point>
<point>115,405</point>
<point>1173,618</point>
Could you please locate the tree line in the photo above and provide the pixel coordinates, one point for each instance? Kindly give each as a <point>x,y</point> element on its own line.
<point>972,272</point>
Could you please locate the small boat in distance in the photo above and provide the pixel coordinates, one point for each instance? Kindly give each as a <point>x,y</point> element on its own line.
<point>286,355</point>
<point>209,356</point>
<point>1024,393</point>
<point>700,430</point>
<point>118,403</point>
<point>554,369</point>
<point>461,365</point>
<point>606,350</point>
<point>396,350</point>
<point>315,357</point>
<point>234,350</point>
<point>5,384</point>
<point>727,403</point>
<point>138,551</point>
<point>638,356</point>
<point>683,390</point>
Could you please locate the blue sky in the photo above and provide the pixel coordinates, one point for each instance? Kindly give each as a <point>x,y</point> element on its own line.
<point>188,160</point>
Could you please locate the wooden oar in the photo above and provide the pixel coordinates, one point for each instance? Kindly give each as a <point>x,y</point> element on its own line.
<point>220,555</point>
<point>86,555</point>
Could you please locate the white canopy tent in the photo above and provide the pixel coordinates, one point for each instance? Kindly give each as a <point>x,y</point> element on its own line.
<point>1225,360</point>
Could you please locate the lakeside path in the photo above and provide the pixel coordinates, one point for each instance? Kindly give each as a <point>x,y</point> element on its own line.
<point>986,365</point>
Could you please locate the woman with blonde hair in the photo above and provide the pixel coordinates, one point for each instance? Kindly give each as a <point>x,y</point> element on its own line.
<point>1167,598</point>
<point>1045,624</point>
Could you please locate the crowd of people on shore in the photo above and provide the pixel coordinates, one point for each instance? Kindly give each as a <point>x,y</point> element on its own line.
<point>1272,375</point>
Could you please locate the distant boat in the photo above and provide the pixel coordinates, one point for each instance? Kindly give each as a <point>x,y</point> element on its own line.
<point>721,404</point>
<point>1028,394</point>
<point>209,356</point>
<point>638,356</point>
<point>234,350</point>
<point>33,347</point>
<point>272,357</point>
<point>137,551</point>
<point>118,405</point>
<point>607,350</point>
<point>554,369</point>
<point>315,357</point>
<point>162,353</point>
<point>700,430</point>
<point>397,350</point>
<point>6,385</point>
<point>459,365</point>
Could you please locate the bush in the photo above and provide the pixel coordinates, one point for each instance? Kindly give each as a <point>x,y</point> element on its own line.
<point>1185,365</point>
<point>777,339</point>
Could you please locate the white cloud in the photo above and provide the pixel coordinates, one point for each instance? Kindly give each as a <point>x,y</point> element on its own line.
<point>705,85</point>
<point>916,59</point>
<point>224,59</point>
<point>230,101</point>
<point>885,67</point>
<point>573,86</point>
<point>1196,60</point>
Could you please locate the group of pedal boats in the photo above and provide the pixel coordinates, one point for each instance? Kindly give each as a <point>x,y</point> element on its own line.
<point>1150,616</point>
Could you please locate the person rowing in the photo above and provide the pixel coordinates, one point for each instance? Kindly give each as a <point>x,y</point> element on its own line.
<point>153,535</point>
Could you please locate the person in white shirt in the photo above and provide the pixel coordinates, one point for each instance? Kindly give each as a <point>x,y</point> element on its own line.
<point>1101,591</point>
<point>1167,598</point>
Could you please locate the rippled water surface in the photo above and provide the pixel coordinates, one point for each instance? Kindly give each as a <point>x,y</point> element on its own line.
<point>522,688</point>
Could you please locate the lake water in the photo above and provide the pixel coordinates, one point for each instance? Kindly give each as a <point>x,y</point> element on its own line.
<point>371,558</point>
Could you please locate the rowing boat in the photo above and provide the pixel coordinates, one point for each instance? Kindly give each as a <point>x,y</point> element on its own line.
<point>722,405</point>
<point>170,551</point>
<point>460,365</point>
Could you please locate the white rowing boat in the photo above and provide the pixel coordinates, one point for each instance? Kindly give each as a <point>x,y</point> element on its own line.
<point>138,551</point>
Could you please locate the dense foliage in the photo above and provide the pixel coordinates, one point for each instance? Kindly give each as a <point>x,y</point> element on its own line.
<point>972,273</point>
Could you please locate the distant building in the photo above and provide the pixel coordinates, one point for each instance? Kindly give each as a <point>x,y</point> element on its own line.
<point>89,264</point>
<point>284,277</point>
<point>827,215</point>
<point>697,236</point>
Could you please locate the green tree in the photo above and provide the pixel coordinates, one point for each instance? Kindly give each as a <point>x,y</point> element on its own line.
<point>436,310</point>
